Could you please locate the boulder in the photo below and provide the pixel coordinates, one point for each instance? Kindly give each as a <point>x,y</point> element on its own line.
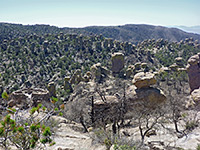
<point>196,95</point>
<point>138,66</point>
<point>179,61</point>
<point>144,65</point>
<point>87,76</point>
<point>76,77</point>
<point>143,80</point>
<point>193,70</point>
<point>52,89</point>
<point>128,72</point>
<point>174,67</point>
<point>98,72</point>
<point>149,95</point>
<point>117,62</point>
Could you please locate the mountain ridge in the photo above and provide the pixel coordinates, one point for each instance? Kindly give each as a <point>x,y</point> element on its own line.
<point>190,29</point>
<point>133,33</point>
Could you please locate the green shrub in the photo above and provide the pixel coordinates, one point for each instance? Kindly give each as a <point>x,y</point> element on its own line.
<point>27,133</point>
<point>123,147</point>
<point>198,147</point>
<point>190,125</point>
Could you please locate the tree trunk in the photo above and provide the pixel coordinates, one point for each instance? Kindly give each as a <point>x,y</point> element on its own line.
<point>114,129</point>
<point>92,112</point>
<point>82,123</point>
<point>176,126</point>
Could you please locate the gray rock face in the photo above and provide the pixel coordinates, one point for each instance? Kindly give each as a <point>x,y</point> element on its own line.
<point>151,96</point>
<point>76,77</point>
<point>196,95</point>
<point>29,97</point>
<point>52,89</point>
<point>193,69</point>
<point>68,139</point>
<point>117,62</point>
<point>98,72</point>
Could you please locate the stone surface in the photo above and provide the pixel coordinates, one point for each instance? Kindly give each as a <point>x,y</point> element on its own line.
<point>179,61</point>
<point>137,66</point>
<point>87,76</point>
<point>196,95</point>
<point>117,62</point>
<point>128,72</point>
<point>193,69</point>
<point>52,89</point>
<point>68,138</point>
<point>149,95</point>
<point>174,67</point>
<point>96,72</point>
<point>29,97</point>
<point>142,80</point>
<point>76,77</point>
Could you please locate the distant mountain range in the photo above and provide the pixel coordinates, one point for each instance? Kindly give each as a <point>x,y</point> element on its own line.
<point>133,33</point>
<point>193,29</point>
<point>137,33</point>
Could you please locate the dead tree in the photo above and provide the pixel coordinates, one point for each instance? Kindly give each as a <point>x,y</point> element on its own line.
<point>116,112</point>
<point>147,115</point>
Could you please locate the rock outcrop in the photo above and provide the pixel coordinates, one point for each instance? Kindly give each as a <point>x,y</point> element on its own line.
<point>144,80</point>
<point>98,72</point>
<point>52,89</point>
<point>76,77</point>
<point>196,95</point>
<point>179,61</point>
<point>142,92</point>
<point>150,96</point>
<point>193,69</point>
<point>29,97</point>
<point>137,94</point>
<point>117,62</point>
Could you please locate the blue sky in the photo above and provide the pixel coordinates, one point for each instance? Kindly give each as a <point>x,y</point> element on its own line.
<point>80,13</point>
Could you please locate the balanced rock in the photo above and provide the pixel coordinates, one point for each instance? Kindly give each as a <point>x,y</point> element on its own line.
<point>193,69</point>
<point>117,62</point>
<point>143,80</point>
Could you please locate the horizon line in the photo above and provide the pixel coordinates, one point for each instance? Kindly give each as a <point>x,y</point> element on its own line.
<point>97,25</point>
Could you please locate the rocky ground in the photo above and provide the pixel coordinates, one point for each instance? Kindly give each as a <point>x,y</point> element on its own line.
<point>69,136</point>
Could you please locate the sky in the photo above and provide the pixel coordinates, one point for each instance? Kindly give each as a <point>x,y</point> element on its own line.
<point>81,13</point>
